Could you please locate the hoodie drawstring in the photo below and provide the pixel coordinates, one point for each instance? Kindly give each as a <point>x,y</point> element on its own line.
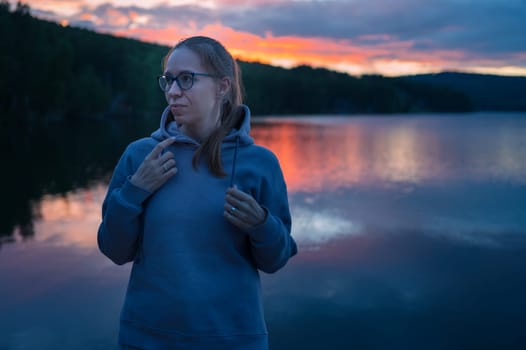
<point>233,173</point>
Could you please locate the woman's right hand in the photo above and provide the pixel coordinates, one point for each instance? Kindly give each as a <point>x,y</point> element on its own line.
<point>156,168</point>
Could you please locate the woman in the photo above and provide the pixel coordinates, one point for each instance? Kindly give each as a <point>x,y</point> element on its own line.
<point>196,234</point>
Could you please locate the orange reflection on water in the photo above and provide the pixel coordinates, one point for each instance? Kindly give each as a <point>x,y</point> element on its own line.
<point>70,219</point>
<point>325,153</point>
<point>330,155</point>
<point>312,158</point>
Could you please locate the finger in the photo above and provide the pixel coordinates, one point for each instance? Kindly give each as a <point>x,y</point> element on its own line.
<point>236,203</point>
<point>242,199</point>
<point>248,216</point>
<point>235,221</point>
<point>170,163</point>
<point>231,208</point>
<point>236,212</point>
<point>169,173</point>
<point>159,148</point>
<point>238,194</point>
<point>247,204</point>
<point>165,157</point>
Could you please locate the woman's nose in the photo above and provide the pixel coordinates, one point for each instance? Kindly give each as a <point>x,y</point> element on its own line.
<point>174,89</point>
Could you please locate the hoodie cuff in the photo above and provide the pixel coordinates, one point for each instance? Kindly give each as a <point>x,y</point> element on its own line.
<point>267,232</point>
<point>132,194</point>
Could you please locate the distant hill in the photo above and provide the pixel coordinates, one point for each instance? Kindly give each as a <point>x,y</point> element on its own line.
<point>54,72</point>
<point>486,92</point>
<point>307,90</point>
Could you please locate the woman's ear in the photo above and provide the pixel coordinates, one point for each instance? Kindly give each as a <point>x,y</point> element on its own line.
<point>223,87</point>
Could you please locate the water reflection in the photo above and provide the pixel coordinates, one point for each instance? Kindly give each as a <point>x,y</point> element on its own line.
<point>315,157</point>
<point>408,291</point>
<point>54,160</point>
<point>337,169</point>
<point>59,217</point>
<point>412,234</point>
<point>401,155</point>
<point>324,154</point>
<point>315,227</point>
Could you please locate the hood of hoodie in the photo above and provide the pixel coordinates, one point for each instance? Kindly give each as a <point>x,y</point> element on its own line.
<point>170,129</point>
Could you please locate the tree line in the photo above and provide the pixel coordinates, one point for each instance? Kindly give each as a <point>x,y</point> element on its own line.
<point>486,92</point>
<point>53,72</point>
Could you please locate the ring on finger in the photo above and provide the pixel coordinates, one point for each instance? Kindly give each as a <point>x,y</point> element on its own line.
<point>233,210</point>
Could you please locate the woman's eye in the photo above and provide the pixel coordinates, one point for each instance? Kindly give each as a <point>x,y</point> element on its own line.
<point>185,78</point>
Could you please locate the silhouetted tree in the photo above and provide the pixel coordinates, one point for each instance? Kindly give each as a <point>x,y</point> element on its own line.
<point>50,71</point>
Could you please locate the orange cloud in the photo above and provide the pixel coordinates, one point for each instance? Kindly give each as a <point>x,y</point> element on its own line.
<point>87,16</point>
<point>289,51</point>
<point>65,7</point>
<point>245,2</point>
<point>284,51</point>
<point>379,53</point>
<point>117,17</point>
<point>133,15</point>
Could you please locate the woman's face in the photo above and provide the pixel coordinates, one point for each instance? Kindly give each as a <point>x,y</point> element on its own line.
<point>197,109</point>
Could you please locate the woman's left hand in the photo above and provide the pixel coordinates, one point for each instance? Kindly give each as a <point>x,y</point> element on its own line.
<point>242,210</point>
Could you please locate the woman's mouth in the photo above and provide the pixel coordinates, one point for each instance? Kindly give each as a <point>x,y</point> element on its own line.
<point>175,108</point>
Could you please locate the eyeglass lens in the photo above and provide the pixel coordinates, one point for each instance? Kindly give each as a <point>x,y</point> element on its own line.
<point>184,80</point>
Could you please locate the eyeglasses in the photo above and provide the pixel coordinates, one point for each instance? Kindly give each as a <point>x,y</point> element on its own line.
<point>185,80</point>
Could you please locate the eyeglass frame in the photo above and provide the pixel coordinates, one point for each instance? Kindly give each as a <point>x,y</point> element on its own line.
<point>176,79</point>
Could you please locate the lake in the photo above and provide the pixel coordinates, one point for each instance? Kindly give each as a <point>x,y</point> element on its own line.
<point>411,233</point>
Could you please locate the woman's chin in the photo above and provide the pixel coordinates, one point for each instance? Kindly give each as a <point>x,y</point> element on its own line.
<point>179,119</point>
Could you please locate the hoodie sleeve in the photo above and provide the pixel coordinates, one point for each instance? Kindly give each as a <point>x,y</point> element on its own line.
<point>121,227</point>
<point>271,242</point>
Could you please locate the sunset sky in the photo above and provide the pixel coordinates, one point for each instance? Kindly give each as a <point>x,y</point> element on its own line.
<point>388,37</point>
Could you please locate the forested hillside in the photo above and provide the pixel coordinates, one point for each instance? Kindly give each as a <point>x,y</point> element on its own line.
<point>306,90</point>
<point>54,72</point>
<point>486,92</point>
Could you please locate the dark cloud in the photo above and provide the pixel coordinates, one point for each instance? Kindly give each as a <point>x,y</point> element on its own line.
<point>108,17</point>
<point>491,28</point>
<point>481,26</point>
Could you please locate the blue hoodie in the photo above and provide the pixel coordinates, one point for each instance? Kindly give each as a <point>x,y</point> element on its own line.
<point>195,281</point>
